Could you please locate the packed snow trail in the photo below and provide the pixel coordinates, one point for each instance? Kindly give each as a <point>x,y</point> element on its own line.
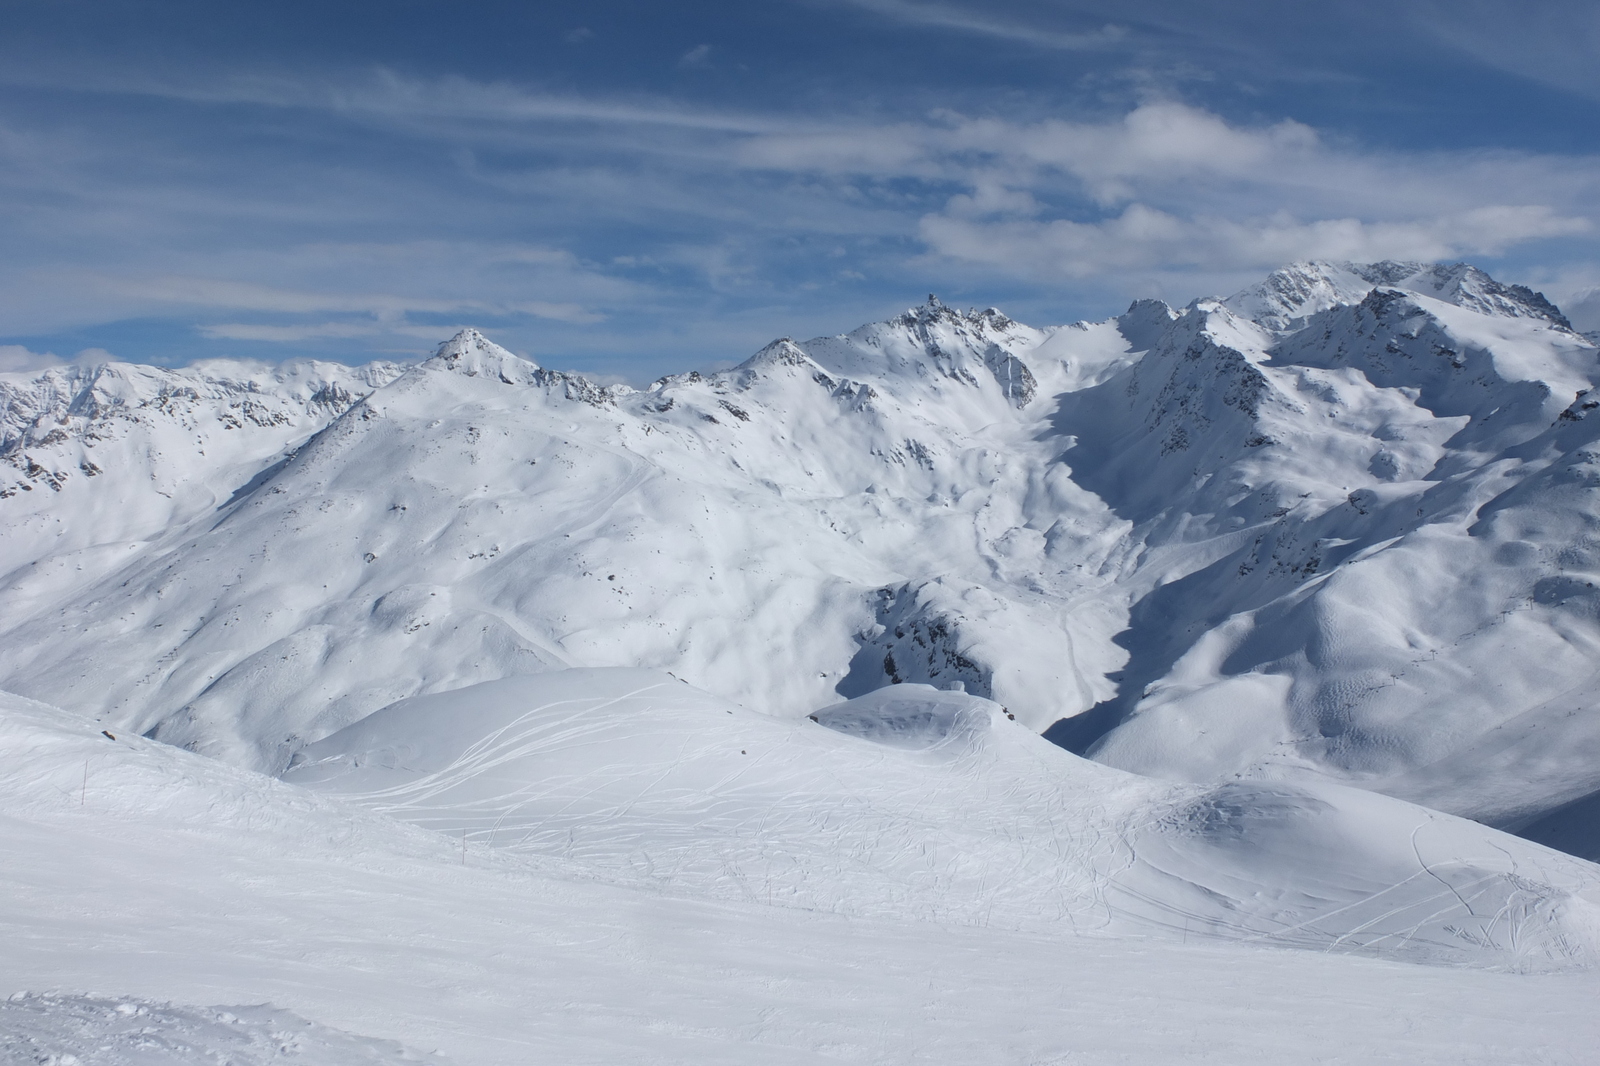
<point>171,879</point>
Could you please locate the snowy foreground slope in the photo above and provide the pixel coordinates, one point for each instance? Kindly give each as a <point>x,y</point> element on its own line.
<point>1340,525</point>
<point>164,897</point>
<point>911,802</point>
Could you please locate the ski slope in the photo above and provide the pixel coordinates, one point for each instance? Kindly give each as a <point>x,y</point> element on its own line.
<point>166,882</point>
<point>914,802</point>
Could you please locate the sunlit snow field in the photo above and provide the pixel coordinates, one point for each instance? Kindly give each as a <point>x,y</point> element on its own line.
<point>479,710</point>
<point>173,878</point>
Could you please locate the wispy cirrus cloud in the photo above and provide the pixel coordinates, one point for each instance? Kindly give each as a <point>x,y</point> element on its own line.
<point>379,92</point>
<point>384,307</point>
<point>567,212</point>
<point>1554,42</point>
<point>986,24</point>
<point>1142,238</point>
<point>1185,166</point>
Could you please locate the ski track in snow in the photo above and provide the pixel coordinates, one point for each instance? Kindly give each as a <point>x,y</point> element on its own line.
<point>914,801</point>
<point>163,879</point>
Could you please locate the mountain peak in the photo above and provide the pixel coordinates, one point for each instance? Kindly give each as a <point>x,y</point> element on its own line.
<point>469,352</point>
<point>1287,297</point>
<point>781,352</point>
<point>1466,286</point>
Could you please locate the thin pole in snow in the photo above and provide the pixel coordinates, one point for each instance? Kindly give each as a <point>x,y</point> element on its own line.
<point>463,847</point>
<point>83,797</point>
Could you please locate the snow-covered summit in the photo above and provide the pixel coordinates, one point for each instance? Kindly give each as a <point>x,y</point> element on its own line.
<point>469,352</point>
<point>472,355</point>
<point>1289,296</point>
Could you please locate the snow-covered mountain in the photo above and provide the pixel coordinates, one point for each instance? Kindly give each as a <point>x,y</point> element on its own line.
<point>801,525</point>
<point>531,718</point>
<point>1338,526</point>
<point>96,462</point>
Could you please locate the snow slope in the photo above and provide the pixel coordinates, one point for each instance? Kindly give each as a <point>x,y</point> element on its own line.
<point>63,1030</point>
<point>1408,602</point>
<point>910,801</point>
<point>159,878</point>
<point>96,462</point>
<point>1337,527</point>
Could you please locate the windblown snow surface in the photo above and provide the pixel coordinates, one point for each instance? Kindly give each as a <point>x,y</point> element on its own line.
<point>474,707</point>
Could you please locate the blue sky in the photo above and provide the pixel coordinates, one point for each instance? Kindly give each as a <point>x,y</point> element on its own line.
<point>631,188</point>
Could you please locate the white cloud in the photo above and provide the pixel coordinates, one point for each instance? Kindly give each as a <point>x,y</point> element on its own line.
<point>944,16</point>
<point>245,331</point>
<point>1582,309</point>
<point>384,314</point>
<point>721,211</point>
<point>380,94</point>
<point>558,312</point>
<point>1142,238</point>
<point>1173,187</point>
<point>219,292</point>
<point>696,56</point>
<point>14,358</point>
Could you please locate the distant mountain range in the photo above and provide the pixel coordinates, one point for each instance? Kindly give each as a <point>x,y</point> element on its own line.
<point>1342,525</point>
